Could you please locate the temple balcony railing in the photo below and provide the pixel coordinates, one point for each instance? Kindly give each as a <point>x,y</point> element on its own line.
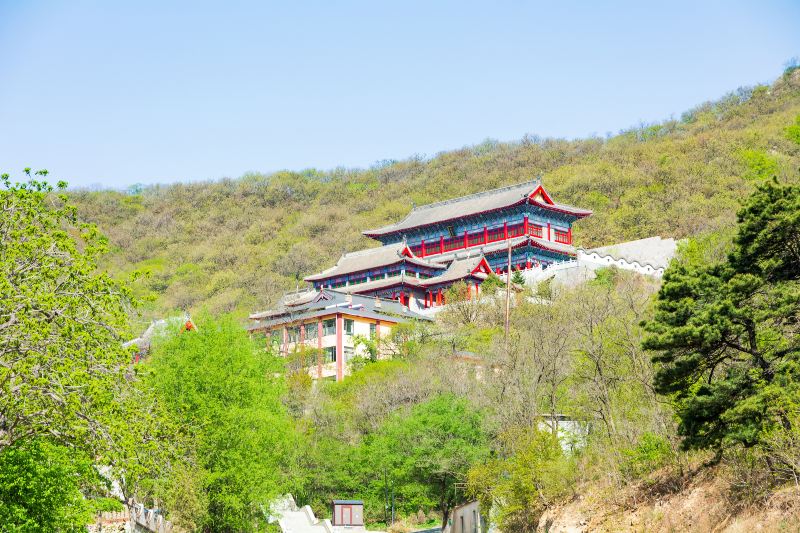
<point>488,236</point>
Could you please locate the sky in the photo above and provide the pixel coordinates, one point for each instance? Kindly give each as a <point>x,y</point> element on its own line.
<point>115,93</point>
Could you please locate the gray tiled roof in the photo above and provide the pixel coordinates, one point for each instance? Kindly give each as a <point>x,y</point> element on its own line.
<point>372,258</point>
<point>458,269</point>
<point>472,204</point>
<point>381,283</point>
<point>326,302</point>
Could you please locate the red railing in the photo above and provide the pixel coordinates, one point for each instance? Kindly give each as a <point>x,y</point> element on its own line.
<point>481,237</point>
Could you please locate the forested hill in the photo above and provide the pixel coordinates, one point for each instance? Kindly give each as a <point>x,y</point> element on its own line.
<point>235,244</point>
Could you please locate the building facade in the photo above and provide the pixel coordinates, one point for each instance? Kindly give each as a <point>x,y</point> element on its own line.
<point>463,239</point>
<point>331,322</point>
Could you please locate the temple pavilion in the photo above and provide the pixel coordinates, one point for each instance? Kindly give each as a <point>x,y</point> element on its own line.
<point>462,239</point>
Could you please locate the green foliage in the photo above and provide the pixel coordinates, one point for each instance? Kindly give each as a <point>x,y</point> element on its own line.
<point>102,505</point>
<point>493,283</point>
<point>518,278</point>
<point>41,487</point>
<point>61,358</point>
<point>793,131</point>
<point>759,165</point>
<point>651,452</point>
<point>605,277</point>
<point>544,289</point>
<point>428,451</point>
<point>222,388</point>
<point>531,474</point>
<point>727,350</point>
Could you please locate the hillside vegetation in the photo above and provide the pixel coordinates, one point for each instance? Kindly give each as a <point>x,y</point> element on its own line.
<point>234,245</point>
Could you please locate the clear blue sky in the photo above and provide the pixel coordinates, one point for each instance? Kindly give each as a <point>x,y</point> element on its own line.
<point>153,91</point>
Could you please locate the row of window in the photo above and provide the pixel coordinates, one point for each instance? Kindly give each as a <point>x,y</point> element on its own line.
<point>328,328</point>
<point>456,242</point>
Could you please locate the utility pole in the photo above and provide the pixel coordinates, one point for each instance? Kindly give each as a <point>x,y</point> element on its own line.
<point>508,293</point>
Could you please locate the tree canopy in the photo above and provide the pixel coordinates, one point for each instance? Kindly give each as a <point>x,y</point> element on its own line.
<point>726,332</point>
<point>61,322</point>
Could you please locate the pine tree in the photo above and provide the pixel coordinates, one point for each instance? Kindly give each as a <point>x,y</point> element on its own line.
<point>725,333</point>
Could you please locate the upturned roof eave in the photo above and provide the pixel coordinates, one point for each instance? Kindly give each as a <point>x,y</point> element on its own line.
<point>559,208</point>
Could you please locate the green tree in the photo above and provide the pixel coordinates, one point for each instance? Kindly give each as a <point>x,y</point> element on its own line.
<point>41,486</point>
<point>227,391</point>
<point>530,475</point>
<point>492,283</point>
<point>725,333</point>
<point>61,319</point>
<point>429,450</point>
<point>518,278</point>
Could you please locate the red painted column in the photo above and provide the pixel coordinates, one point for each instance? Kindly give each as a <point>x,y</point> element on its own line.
<point>569,235</point>
<point>319,347</point>
<point>528,264</point>
<point>339,348</point>
<point>422,251</point>
<point>505,230</point>
<point>525,225</point>
<point>441,244</point>
<point>302,333</point>
<point>439,297</point>
<point>466,238</point>
<point>285,341</point>
<point>485,235</point>
<point>548,231</point>
<point>477,289</point>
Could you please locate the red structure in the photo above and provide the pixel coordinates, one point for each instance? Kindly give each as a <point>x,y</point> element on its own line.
<point>463,239</point>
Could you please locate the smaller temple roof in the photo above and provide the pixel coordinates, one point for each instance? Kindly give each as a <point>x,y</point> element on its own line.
<point>370,258</point>
<point>381,283</point>
<point>325,302</point>
<point>476,267</point>
<point>530,191</point>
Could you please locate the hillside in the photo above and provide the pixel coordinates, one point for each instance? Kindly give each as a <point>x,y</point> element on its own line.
<point>236,244</point>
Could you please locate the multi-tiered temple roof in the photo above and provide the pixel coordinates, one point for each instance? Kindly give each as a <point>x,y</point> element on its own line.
<point>478,204</point>
<point>463,239</point>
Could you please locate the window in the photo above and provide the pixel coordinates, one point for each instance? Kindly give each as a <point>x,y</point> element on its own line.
<point>293,334</point>
<point>329,327</point>
<point>349,352</point>
<point>373,329</point>
<point>311,332</point>
<point>349,326</point>
<point>451,231</point>
<point>330,354</point>
<point>562,236</point>
<point>536,231</point>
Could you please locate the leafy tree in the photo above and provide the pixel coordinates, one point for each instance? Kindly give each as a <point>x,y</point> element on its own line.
<point>725,333</point>
<point>492,283</point>
<point>61,320</point>
<point>429,450</point>
<point>41,487</point>
<point>793,131</point>
<point>227,391</point>
<point>518,278</point>
<point>531,474</point>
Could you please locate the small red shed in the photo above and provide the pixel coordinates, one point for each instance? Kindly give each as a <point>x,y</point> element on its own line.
<point>348,513</point>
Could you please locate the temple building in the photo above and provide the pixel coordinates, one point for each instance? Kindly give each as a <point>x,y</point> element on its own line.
<point>331,322</point>
<point>463,239</point>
